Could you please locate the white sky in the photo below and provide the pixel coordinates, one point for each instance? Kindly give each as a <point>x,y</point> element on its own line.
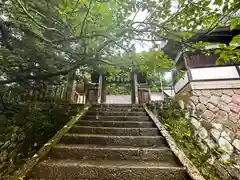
<point>146,45</point>
<point>142,45</point>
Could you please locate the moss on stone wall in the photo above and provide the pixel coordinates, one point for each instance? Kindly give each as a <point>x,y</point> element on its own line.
<point>25,128</point>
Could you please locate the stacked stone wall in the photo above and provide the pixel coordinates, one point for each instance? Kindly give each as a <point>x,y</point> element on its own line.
<point>215,115</point>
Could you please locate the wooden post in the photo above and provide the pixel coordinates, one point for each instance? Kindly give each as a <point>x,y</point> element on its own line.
<point>104,90</point>
<point>71,86</point>
<point>92,95</point>
<point>144,95</point>
<point>62,89</point>
<point>134,94</point>
<point>100,83</point>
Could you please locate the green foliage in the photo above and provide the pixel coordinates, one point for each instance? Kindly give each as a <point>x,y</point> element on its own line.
<point>235,40</point>
<point>42,41</point>
<point>218,2</point>
<point>228,162</point>
<point>156,88</point>
<point>154,61</point>
<point>234,23</point>
<point>25,128</point>
<point>148,62</point>
<point>217,152</point>
<point>173,119</point>
<point>115,89</point>
<point>228,54</point>
<point>180,75</point>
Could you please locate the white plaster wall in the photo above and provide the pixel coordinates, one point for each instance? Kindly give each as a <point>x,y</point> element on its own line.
<point>214,73</point>
<point>157,96</point>
<point>181,83</point>
<point>169,92</point>
<point>118,99</point>
<point>226,84</point>
<point>212,46</point>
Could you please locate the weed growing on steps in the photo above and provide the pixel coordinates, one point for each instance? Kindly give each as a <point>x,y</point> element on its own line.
<point>173,118</point>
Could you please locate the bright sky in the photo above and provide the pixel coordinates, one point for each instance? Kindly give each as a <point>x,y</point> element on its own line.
<point>144,45</point>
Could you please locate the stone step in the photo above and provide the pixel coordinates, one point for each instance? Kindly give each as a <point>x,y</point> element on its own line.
<point>123,124</point>
<point>116,118</point>
<point>131,141</point>
<point>106,170</point>
<point>118,109</point>
<point>117,105</point>
<point>114,113</point>
<point>88,152</point>
<point>115,131</point>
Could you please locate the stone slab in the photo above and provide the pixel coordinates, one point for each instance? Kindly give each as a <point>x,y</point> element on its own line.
<point>140,141</point>
<point>107,170</point>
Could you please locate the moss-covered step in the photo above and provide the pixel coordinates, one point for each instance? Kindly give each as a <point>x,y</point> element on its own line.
<point>116,118</point>
<point>124,124</point>
<point>96,152</point>
<point>115,131</point>
<point>118,105</point>
<point>116,113</point>
<point>139,141</point>
<point>119,109</point>
<point>107,170</point>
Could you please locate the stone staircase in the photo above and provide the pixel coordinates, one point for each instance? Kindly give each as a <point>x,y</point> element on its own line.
<point>111,142</point>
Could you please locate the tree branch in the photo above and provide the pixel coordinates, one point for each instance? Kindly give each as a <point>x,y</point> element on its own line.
<point>46,18</point>
<point>5,36</point>
<point>25,29</point>
<point>79,38</point>
<point>216,23</point>
<point>34,20</point>
<point>86,15</point>
<point>40,76</point>
<point>74,9</point>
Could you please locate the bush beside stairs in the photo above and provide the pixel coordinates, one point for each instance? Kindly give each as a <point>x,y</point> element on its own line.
<point>111,142</point>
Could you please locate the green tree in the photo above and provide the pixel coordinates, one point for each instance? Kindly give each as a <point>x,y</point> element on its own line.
<point>42,41</point>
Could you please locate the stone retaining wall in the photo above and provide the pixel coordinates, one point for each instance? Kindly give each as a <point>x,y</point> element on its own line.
<point>215,114</point>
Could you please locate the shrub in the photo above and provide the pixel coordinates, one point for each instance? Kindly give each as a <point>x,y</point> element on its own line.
<point>24,128</point>
<point>173,118</point>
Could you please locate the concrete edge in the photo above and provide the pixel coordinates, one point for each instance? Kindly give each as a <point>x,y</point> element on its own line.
<point>45,149</point>
<point>188,165</point>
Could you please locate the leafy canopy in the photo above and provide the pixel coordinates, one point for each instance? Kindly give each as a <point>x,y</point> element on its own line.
<point>44,40</point>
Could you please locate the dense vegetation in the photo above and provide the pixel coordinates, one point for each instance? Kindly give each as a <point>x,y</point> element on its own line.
<point>25,128</point>
<point>42,41</point>
<point>50,42</point>
<point>172,116</point>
